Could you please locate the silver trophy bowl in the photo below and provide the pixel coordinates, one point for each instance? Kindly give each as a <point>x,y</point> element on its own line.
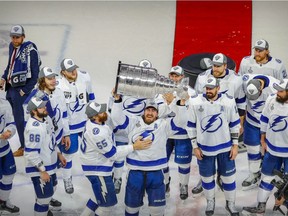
<point>143,82</point>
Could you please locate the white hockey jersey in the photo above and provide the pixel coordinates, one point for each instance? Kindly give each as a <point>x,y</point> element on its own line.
<point>274,67</point>
<point>99,151</point>
<point>133,106</point>
<point>274,122</point>
<point>40,146</point>
<point>6,123</point>
<point>230,84</point>
<point>77,95</point>
<point>155,157</point>
<point>255,107</point>
<point>57,109</point>
<point>213,122</point>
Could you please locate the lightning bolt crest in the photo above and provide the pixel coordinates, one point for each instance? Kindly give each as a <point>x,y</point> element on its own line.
<point>134,103</point>
<point>257,105</point>
<point>211,121</point>
<point>277,120</point>
<point>103,187</point>
<point>42,185</point>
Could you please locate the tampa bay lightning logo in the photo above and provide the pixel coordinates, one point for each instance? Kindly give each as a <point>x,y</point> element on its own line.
<point>258,106</point>
<point>76,107</point>
<point>134,106</point>
<point>95,131</point>
<point>211,123</point>
<point>245,77</point>
<point>147,134</point>
<point>278,123</point>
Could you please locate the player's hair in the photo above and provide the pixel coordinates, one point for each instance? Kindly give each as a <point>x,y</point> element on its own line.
<point>41,83</point>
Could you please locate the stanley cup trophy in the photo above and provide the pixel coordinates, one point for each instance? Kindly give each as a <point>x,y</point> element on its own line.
<point>145,82</point>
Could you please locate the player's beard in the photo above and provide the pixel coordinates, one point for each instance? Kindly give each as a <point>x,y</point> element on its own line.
<point>210,95</point>
<point>103,118</point>
<point>42,115</point>
<point>148,119</point>
<point>282,99</point>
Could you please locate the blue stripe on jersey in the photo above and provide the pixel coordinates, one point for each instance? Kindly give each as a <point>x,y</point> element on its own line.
<point>91,96</point>
<point>240,100</point>
<point>13,123</point>
<point>175,128</point>
<point>76,126</point>
<point>146,163</point>
<point>252,118</point>
<point>59,136</point>
<point>264,119</point>
<point>65,114</point>
<point>276,149</point>
<point>215,148</point>
<point>47,168</point>
<point>123,126</point>
<point>233,124</point>
<point>88,168</point>
<point>191,124</point>
<point>32,149</point>
<point>111,153</point>
<point>118,164</point>
<point>4,148</point>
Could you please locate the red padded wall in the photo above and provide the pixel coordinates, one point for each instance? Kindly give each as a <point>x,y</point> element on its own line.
<point>213,26</point>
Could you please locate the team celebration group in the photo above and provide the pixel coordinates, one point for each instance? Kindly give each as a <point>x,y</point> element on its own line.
<point>56,116</point>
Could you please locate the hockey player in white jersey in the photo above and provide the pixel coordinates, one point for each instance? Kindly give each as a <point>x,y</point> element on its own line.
<point>274,136</point>
<point>77,88</point>
<point>257,89</point>
<point>98,153</point>
<point>145,167</point>
<point>7,162</point>
<point>132,106</point>
<point>230,83</point>
<point>262,63</point>
<point>179,142</point>
<point>57,110</point>
<point>41,154</point>
<point>214,129</point>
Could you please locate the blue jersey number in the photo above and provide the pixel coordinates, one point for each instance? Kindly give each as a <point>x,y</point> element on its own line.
<point>101,144</point>
<point>34,138</point>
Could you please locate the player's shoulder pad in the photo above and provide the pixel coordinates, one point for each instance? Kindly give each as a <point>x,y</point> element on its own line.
<point>278,61</point>
<point>246,57</point>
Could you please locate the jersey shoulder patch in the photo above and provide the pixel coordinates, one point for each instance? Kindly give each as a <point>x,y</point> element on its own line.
<point>36,123</point>
<point>245,77</point>
<point>95,130</point>
<point>83,72</point>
